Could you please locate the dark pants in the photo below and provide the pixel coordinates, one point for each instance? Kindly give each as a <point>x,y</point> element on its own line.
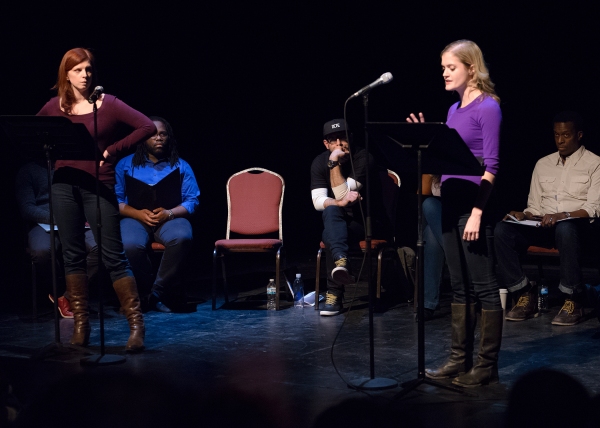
<point>570,237</point>
<point>38,241</point>
<point>470,263</point>
<point>38,246</point>
<point>340,231</point>
<point>175,235</point>
<point>73,205</point>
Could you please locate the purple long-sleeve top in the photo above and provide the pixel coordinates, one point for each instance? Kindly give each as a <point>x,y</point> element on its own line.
<point>119,128</point>
<point>479,126</point>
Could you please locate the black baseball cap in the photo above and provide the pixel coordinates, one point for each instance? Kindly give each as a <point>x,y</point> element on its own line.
<point>335,125</point>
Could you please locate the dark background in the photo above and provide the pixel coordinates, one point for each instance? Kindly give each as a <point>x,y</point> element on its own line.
<point>247,84</point>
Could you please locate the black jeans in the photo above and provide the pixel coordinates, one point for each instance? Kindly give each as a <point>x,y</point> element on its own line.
<point>470,263</point>
<point>74,203</point>
<point>571,237</point>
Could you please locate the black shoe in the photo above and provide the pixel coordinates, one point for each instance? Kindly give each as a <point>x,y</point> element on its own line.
<point>340,273</point>
<point>428,315</point>
<point>155,304</point>
<point>526,307</point>
<point>571,313</point>
<point>333,305</point>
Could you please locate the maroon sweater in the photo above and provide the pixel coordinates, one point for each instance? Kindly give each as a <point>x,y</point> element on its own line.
<point>115,120</point>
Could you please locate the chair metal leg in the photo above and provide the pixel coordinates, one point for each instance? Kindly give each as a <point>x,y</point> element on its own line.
<point>379,273</point>
<point>541,273</point>
<point>214,284</point>
<point>34,291</point>
<point>224,273</point>
<point>277,277</point>
<point>318,279</point>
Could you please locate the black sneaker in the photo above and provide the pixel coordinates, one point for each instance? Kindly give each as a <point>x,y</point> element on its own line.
<point>340,273</point>
<point>333,305</point>
<point>428,315</point>
<point>154,304</point>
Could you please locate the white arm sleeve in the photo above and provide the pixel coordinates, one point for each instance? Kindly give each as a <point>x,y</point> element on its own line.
<point>319,196</point>
<point>340,191</point>
<point>354,185</point>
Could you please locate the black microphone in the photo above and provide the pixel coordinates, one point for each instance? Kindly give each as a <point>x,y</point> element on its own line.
<point>385,78</point>
<point>99,90</point>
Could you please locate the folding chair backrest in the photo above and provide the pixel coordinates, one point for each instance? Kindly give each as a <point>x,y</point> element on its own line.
<point>254,201</point>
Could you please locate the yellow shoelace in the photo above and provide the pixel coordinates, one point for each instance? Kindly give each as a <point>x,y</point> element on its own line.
<point>523,300</point>
<point>569,306</point>
<point>330,299</point>
<point>341,262</point>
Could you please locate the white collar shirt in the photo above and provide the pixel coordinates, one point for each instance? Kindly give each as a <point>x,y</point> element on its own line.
<point>574,185</point>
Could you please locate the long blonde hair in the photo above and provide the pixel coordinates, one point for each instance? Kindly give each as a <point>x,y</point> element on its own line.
<point>470,55</point>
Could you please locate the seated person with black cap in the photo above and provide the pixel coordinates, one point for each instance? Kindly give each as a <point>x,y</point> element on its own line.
<point>337,190</point>
<point>156,211</point>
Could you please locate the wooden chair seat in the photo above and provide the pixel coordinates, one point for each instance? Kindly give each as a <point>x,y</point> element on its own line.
<point>541,251</point>
<point>157,246</point>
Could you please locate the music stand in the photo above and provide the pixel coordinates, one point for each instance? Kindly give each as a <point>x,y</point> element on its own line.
<point>440,150</point>
<point>50,138</point>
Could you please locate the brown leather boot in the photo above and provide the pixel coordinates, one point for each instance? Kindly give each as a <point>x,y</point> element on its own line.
<point>77,288</point>
<point>485,370</point>
<point>129,298</point>
<point>464,318</point>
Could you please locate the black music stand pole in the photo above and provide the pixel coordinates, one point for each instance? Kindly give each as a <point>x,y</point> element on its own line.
<point>371,383</point>
<point>103,359</point>
<point>49,138</point>
<point>439,150</point>
<point>421,378</point>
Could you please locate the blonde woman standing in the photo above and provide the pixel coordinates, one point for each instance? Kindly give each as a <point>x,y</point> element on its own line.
<point>467,220</point>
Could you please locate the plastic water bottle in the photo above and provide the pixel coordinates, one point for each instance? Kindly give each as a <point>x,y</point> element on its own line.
<point>271,291</point>
<point>543,299</point>
<point>298,292</point>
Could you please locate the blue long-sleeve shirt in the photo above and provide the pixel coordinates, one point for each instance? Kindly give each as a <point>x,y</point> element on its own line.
<point>151,173</point>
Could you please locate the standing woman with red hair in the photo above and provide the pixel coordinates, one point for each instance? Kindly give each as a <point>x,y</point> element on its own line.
<point>74,192</point>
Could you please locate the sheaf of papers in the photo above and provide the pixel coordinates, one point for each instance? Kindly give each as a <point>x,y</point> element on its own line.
<point>534,223</point>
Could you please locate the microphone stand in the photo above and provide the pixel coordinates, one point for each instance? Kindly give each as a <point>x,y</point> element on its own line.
<point>102,359</point>
<point>371,383</point>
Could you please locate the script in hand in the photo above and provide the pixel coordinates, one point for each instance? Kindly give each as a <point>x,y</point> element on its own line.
<point>536,222</point>
<point>166,193</point>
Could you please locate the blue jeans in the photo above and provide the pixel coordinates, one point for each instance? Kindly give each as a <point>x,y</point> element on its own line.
<point>340,231</point>
<point>175,235</point>
<point>569,237</point>
<point>434,251</point>
<point>470,263</point>
<point>73,205</point>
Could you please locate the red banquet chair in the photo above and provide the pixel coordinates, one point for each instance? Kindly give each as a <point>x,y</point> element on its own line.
<point>254,207</point>
<point>390,184</point>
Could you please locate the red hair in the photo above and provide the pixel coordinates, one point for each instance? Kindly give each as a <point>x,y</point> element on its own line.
<point>63,86</point>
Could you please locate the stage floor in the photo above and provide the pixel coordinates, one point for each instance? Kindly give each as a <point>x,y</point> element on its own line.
<point>246,360</point>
